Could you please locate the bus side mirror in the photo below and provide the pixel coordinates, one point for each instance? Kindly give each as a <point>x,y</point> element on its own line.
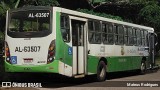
<point>156,39</point>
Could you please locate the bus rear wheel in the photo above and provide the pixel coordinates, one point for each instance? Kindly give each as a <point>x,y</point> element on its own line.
<point>101,71</point>
<point>143,68</point>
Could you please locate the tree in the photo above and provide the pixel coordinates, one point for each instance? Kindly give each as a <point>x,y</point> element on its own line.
<point>40,2</point>
<point>47,2</point>
<point>100,14</point>
<point>4,6</point>
<point>150,16</point>
<point>8,4</point>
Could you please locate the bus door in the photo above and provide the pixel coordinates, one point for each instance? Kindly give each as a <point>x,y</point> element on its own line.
<point>78,46</point>
<point>152,49</point>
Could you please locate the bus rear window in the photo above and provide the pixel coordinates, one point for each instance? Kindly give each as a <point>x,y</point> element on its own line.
<point>34,22</point>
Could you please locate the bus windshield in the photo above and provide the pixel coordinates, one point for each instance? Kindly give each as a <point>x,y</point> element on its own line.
<point>31,23</point>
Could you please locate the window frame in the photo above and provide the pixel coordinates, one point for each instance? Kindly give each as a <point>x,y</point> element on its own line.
<point>108,26</point>
<point>143,37</point>
<point>146,37</point>
<point>134,36</point>
<point>94,32</point>
<point>126,35</point>
<point>117,34</point>
<point>67,27</point>
<point>139,40</point>
<point>130,36</point>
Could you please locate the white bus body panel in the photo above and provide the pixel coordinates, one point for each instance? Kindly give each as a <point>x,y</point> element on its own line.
<point>16,46</point>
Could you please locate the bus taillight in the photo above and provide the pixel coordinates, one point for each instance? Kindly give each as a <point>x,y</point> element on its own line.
<point>7,52</point>
<point>51,52</point>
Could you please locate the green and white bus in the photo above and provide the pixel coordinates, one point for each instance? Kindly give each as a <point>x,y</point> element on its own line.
<point>74,44</point>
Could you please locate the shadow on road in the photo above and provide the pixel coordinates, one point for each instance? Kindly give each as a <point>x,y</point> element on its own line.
<point>1,67</point>
<point>57,81</point>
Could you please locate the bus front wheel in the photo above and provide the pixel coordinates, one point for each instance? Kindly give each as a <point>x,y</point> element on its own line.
<point>101,71</point>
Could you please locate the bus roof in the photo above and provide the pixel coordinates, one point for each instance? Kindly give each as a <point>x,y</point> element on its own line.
<point>85,15</point>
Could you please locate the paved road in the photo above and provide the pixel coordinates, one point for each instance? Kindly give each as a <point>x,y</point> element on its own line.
<point>114,81</point>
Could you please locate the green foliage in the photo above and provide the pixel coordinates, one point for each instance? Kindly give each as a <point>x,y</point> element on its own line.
<point>150,15</point>
<point>100,14</point>
<point>138,1</point>
<point>1,35</point>
<point>6,5</point>
<point>42,2</point>
<point>3,9</point>
<point>131,2</point>
<point>48,2</point>
<point>141,2</point>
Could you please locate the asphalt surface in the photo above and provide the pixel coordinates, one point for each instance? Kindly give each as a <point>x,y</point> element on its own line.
<point>114,81</point>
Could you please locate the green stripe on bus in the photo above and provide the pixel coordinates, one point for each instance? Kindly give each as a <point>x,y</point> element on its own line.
<point>61,46</point>
<point>121,63</point>
<point>52,67</point>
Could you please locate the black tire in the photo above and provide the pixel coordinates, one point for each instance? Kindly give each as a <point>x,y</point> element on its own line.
<point>101,71</point>
<point>143,68</point>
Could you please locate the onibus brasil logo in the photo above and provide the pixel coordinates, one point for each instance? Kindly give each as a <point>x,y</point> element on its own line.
<point>16,84</point>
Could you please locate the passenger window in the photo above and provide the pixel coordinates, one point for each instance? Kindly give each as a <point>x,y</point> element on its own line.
<point>65,31</point>
<point>119,34</point>
<point>97,26</point>
<point>94,32</point>
<point>134,37</point>
<point>146,37</point>
<point>90,26</point>
<point>131,37</point>
<point>107,32</point>
<point>126,35</point>
<point>110,34</point>
<point>143,37</point>
<point>139,41</point>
